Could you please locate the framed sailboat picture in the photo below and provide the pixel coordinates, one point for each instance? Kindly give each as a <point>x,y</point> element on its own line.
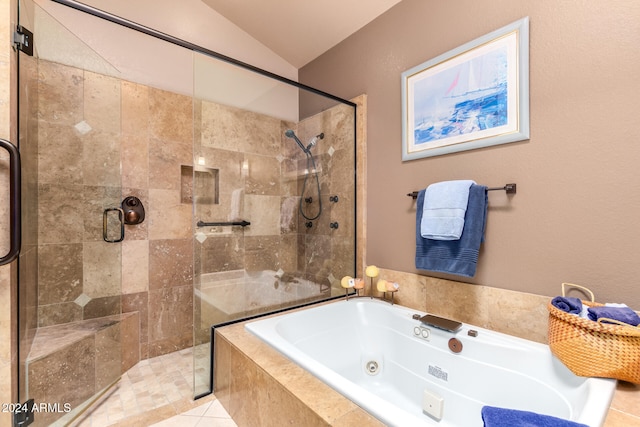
<point>474,96</point>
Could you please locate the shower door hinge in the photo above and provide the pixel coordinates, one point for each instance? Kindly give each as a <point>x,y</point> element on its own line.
<point>23,414</point>
<point>23,40</point>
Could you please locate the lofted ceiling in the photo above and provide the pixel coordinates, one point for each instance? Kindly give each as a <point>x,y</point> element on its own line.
<point>300,30</point>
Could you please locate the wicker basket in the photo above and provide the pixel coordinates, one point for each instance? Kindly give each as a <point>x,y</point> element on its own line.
<point>594,349</point>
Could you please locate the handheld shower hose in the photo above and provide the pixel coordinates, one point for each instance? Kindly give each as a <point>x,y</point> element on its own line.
<point>311,169</point>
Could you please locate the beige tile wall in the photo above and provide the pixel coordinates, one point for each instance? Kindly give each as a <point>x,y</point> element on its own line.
<point>263,172</point>
<point>102,139</point>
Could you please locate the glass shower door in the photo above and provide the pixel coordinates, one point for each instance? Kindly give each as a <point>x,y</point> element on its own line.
<point>70,268</point>
<point>274,224</point>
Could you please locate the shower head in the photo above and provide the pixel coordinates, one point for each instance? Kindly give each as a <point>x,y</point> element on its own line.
<point>291,134</point>
<point>312,142</point>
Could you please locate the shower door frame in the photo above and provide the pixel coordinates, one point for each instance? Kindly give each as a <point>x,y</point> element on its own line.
<point>207,52</point>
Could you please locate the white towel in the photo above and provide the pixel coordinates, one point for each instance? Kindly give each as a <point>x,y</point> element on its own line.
<point>445,205</point>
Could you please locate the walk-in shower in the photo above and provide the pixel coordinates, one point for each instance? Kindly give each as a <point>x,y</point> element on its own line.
<point>204,144</point>
<point>306,200</point>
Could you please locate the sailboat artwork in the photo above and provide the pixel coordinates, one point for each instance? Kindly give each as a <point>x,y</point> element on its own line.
<point>474,96</point>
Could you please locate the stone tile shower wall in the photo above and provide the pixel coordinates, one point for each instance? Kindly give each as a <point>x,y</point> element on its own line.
<point>102,139</point>
<point>260,176</point>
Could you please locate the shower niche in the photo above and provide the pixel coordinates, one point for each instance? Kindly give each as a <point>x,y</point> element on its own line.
<point>199,185</point>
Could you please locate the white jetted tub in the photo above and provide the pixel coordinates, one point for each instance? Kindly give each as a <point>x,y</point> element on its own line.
<point>404,373</point>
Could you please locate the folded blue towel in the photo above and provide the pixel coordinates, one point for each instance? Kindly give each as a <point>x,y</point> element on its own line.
<point>501,417</point>
<point>621,314</point>
<point>568,304</point>
<point>445,205</point>
<point>458,257</point>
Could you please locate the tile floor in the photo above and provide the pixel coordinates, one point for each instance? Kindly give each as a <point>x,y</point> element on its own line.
<point>155,392</point>
<point>209,414</point>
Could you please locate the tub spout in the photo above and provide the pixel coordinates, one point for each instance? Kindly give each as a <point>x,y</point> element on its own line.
<point>440,322</point>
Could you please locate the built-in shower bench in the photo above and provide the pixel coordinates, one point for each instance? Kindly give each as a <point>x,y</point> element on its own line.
<point>71,362</point>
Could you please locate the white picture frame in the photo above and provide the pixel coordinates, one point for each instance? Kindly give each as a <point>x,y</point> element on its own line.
<point>474,96</point>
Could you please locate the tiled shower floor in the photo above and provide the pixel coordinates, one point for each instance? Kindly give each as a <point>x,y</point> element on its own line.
<point>156,391</point>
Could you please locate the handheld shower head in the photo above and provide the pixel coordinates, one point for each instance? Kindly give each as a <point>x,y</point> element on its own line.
<point>291,134</point>
<point>310,172</point>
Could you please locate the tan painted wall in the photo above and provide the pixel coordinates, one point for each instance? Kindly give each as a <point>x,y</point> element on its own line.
<point>575,215</point>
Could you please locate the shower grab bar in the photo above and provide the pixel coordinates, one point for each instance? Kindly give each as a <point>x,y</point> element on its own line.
<point>242,223</point>
<point>15,205</point>
<point>105,225</point>
<point>509,188</point>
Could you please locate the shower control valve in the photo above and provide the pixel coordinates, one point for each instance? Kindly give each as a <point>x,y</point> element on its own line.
<point>133,210</point>
<point>333,225</point>
<point>333,199</point>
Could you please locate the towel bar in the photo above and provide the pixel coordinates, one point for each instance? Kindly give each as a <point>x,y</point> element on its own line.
<point>509,188</point>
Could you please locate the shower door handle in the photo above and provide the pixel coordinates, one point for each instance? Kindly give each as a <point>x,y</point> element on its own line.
<point>105,225</point>
<point>15,207</point>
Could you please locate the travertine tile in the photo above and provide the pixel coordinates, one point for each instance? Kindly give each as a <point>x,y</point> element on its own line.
<point>58,213</point>
<point>262,175</point>
<point>222,253</point>
<point>108,356</point>
<point>101,158</point>
<point>53,314</point>
<point>60,273</point>
<point>135,108</point>
<point>102,307</point>
<point>261,253</point>
<point>134,157</point>
<point>165,159</point>
<point>516,313</point>
<point>75,366</point>
<point>168,217</point>
<point>102,102</point>
<point>135,266</point>
<point>60,93</point>
<point>95,200</point>
<point>102,269</point>
<point>130,341</point>
<point>627,398</point>
<point>357,417</point>
<point>170,116</point>
<point>138,302</point>
<point>170,318</point>
<point>60,158</point>
<point>170,263</point>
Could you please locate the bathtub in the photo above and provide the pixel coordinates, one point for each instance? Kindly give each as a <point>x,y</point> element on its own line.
<point>403,372</point>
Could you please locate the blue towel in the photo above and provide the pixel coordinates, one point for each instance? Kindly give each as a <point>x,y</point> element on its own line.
<point>621,314</point>
<point>458,257</point>
<point>500,417</point>
<point>568,304</point>
<point>445,204</point>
